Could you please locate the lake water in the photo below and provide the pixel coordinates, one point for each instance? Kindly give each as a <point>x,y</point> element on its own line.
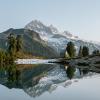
<point>50,82</point>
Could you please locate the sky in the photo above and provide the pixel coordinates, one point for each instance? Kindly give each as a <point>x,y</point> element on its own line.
<point>80,17</point>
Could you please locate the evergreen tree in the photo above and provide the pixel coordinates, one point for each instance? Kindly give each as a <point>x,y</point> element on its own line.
<point>85,51</point>
<point>19,43</point>
<point>80,52</point>
<point>12,45</point>
<point>2,57</point>
<point>95,52</point>
<point>71,49</point>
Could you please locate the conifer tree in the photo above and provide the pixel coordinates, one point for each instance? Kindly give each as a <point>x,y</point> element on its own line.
<point>19,43</point>
<point>80,52</point>
<point>12,45</point>
<point>71,49</point>
<point>85,51</point>
<point>95,52</point>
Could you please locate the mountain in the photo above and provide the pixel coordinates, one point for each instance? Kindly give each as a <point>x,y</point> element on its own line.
<point>58,40</point>
<point>32,42</point>
<point>37,26</point>
<point>46,32</point>
<point>45,41</point>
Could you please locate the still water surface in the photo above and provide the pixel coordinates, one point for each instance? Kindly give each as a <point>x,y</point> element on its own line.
<point>50,82</point>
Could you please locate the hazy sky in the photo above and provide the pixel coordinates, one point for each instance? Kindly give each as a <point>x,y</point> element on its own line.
<point>81,17</point>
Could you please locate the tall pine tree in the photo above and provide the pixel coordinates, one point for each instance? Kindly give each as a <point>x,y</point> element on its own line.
<point>85,51</point>
<point>12,45</point>
<point>80,52</point>
<point>19,43</point>
<point>71,49</point>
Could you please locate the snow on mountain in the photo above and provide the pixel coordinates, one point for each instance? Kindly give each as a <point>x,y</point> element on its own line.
<point>44,31</point>
<point>53,79</point>
<point>69,35</point>
<point>47,31</point>
<point>58,40</point>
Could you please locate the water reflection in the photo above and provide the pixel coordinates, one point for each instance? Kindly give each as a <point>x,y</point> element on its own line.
<point>10,76</point>
<point>70,72</point>
<point>41,78</point>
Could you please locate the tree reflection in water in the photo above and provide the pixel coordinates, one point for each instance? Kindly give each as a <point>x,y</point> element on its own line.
<point>70,72</point>
<point>11,75</point>
<point>38,79</point>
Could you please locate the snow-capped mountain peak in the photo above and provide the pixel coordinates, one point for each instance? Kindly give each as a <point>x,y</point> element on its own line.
<point>35,26</point>
<point>44,31</point>
<point>69,35</point>
<point>56,39</point>
<point>53,29</point>
<point>47,31</point>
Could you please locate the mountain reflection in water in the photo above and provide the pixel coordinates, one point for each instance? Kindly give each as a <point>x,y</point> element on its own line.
<point>41,78</point>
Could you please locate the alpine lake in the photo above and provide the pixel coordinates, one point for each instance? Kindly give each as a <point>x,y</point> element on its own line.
<point>49,81</point>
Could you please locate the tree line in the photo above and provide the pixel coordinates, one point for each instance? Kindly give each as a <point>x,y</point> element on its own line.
<point>83,51</point>
<point>14,45</point>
